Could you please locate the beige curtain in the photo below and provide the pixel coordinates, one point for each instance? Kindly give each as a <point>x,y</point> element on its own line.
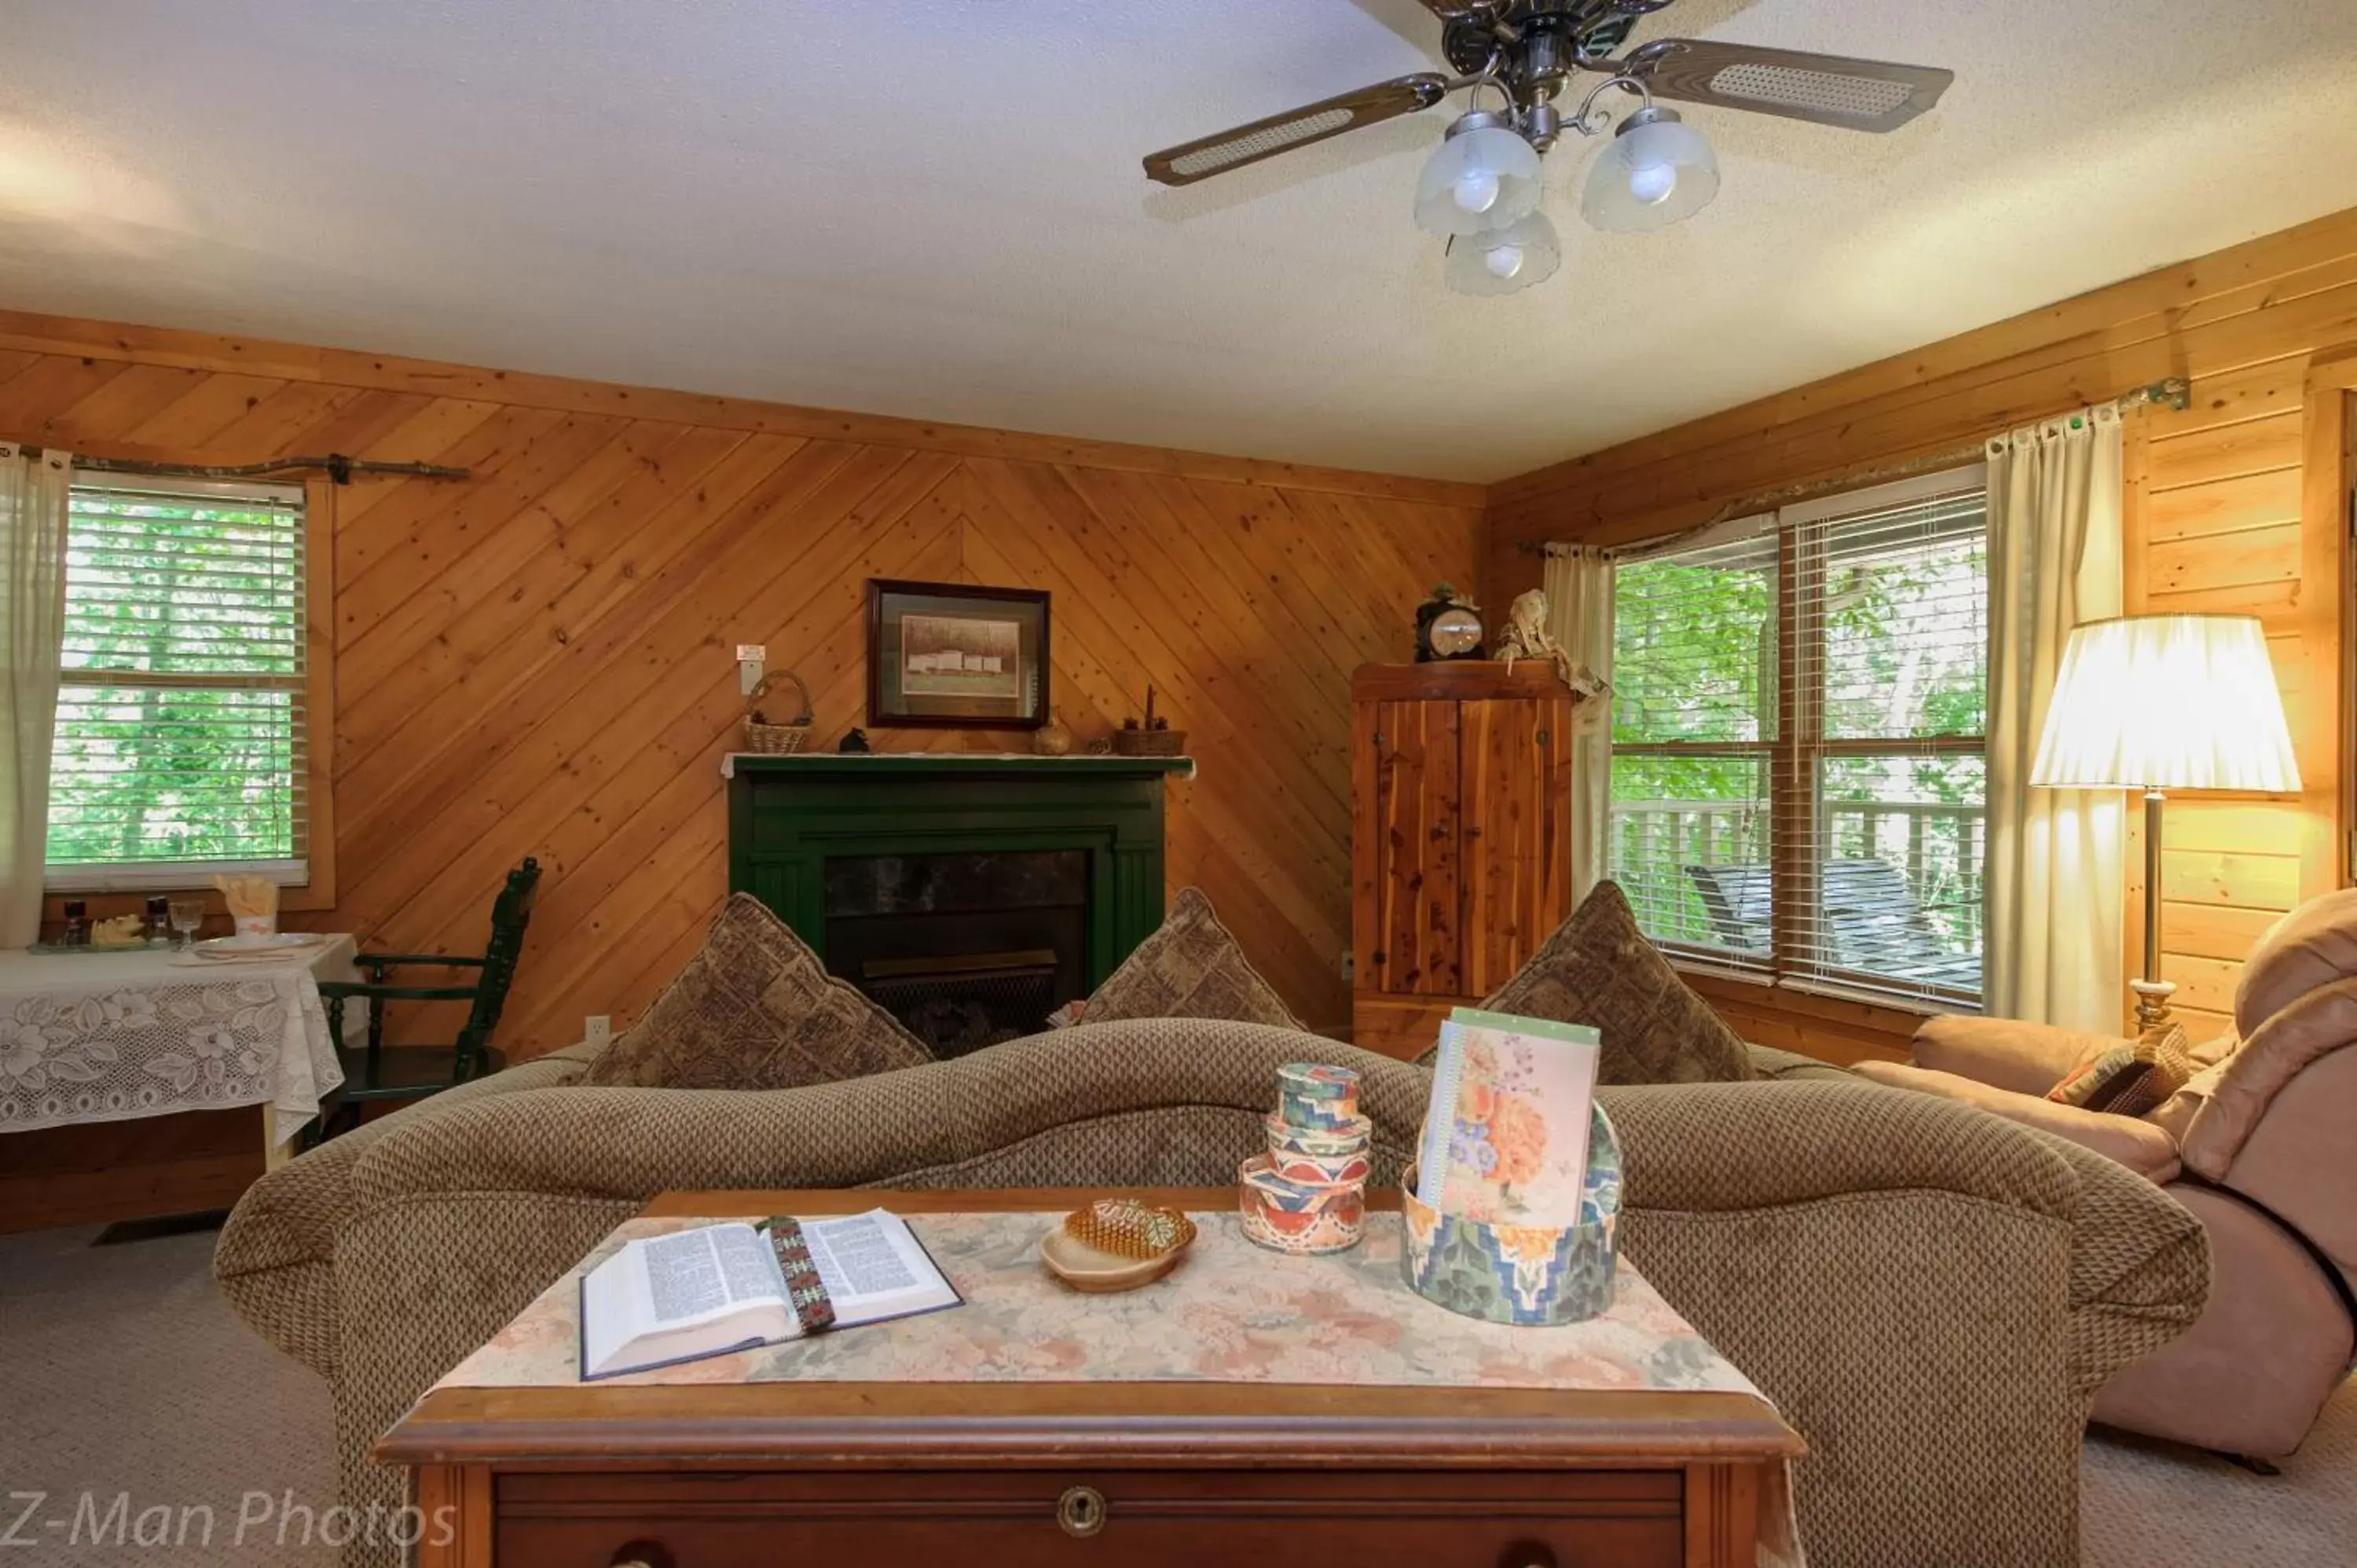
<point>2053,943</point>
<point>1579,612</point>
<point>33,605</point>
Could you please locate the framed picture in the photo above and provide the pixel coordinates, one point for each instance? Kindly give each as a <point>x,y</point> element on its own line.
<point>950,656</point>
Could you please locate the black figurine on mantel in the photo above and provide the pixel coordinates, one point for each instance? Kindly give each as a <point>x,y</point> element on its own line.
<point>854,743</point>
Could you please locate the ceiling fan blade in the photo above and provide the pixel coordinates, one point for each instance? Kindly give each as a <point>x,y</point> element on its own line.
<point>1466,10</point>
<point>1830,90</point>
<point>1200,159</point>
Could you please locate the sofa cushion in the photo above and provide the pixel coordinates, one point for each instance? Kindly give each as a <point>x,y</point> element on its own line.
<point>2139,1146</point>
<point>2130,1078</point>
<point>1190,968</point>
<point>1600,970</point>
<point>756,1009</point>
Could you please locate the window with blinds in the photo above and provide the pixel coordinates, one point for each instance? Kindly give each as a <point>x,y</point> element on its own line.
<point>1798,739</point>
<point>181,745</point>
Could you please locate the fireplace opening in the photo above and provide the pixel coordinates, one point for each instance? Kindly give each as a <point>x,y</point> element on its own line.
<point>967,949</point>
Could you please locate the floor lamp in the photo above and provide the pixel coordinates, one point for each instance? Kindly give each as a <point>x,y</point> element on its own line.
<point>2162,703</point>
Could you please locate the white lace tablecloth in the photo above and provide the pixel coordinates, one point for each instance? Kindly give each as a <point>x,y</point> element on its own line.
<point>104,1037</point>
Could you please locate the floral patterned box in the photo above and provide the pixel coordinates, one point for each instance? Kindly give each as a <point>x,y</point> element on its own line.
<point>1526,1274</point>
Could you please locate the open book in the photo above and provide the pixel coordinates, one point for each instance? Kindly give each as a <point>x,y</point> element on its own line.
<point>718,1288</point>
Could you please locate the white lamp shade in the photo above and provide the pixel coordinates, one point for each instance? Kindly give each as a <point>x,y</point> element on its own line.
<point>1483,177</point>
<point>2174,701</point>
<point>1507,262</point>
<point>1656,171</point>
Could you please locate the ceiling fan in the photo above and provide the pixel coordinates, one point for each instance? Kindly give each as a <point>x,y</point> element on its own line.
<point>1482,187</point>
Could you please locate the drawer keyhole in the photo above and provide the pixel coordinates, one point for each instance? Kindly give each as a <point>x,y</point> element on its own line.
<point>1081,1511</point>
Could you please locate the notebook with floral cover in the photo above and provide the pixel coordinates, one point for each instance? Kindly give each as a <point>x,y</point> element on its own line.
<point>1505,1133</point>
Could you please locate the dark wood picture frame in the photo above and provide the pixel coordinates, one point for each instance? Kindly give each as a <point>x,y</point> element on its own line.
<point>891,706</point>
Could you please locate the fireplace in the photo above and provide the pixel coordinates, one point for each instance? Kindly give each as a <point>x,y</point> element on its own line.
<point>966,949</point>
<point>969,895</point>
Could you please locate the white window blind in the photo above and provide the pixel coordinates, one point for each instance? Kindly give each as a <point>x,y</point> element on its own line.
<point>181,740</point>
<point>1694,726</point>
<point>1799,741</point>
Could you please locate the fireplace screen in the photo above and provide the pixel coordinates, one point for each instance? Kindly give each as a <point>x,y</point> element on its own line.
<point>966,950</point>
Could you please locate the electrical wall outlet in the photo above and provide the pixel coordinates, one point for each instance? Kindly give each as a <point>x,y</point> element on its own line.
<point>596,1029</point>
<point>1350,969</point>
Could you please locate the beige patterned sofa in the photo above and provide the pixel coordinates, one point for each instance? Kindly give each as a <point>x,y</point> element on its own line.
<point>1931,1296</point>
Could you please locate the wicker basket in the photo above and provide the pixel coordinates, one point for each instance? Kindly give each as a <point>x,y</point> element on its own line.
<point>779,740</point>
<point>1149,743</point>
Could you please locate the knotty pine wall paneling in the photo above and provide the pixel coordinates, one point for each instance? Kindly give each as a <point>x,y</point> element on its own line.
<point>539,660</point>
<point>2236,503</point>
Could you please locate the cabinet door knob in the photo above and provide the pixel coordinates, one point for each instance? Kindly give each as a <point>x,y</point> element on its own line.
<point>641,1554</point>
<point>1081,1511</point>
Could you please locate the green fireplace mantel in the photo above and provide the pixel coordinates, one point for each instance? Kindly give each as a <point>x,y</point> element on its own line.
<point>789,815</point>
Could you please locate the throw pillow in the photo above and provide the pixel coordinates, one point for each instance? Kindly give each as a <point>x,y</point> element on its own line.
<point>1600,970</point>
<point>2131,1078</point>
<point>756,1009</point>
<point>1190,968</point>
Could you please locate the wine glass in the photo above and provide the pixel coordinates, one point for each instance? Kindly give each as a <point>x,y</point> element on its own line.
<point>187,916</point>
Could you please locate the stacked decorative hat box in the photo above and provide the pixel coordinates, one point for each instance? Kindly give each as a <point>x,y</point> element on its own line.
<point>1308,1193</point>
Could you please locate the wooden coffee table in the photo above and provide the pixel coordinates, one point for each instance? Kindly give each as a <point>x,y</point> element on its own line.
<point>1144,1475</point>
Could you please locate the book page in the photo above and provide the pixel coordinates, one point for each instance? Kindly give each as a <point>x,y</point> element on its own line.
<point>873,1268</point>
<point>665,1298</point>
<point>703,1272</point>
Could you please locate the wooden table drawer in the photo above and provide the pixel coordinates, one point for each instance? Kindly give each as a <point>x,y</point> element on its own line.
<point>1150,1519</point>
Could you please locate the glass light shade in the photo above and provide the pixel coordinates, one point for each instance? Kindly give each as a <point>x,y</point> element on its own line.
<point>1657,171</point>
<point>1507,262</point>
<point>2173,701</point>
<point>1483,176</point>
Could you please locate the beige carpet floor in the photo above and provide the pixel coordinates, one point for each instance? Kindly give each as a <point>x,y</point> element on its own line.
<point>123,1372</point>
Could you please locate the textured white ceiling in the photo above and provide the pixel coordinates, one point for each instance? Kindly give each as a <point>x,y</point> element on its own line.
<point>934,209</point>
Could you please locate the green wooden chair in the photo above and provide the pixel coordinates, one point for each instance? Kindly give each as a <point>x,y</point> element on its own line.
<point>378,1071</point>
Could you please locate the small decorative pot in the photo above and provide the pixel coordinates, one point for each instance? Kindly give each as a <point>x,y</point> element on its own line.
<point>1533,1275</point>
<point>1286,1138</point>
<point>1298,1217</point>
<point>1311,1094</point>
<point>1321,1170</point>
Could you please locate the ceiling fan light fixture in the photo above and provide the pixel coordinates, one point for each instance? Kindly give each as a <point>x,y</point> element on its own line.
<point>1657,171</point>
<point>1482,177</point>
<point>1504,260</point>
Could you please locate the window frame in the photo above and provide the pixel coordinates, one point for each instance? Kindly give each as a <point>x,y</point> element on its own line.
<point>1792,756</point>
<point>110,891</point>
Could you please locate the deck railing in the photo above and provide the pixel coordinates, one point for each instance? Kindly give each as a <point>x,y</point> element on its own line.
<point>1937,849</point>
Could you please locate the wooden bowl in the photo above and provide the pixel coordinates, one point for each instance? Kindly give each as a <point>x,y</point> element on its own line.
<point>1095,1271</point>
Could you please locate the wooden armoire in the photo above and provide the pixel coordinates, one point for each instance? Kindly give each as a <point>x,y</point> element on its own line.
<point>1460,837</point>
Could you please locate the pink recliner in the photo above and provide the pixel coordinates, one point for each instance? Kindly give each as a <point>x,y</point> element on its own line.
<point>2261,1145</point>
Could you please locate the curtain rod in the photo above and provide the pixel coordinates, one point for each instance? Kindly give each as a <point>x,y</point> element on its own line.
<point>335,464</point>
<point>2174,391</point>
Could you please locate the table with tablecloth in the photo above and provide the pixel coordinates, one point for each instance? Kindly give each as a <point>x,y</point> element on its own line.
<point>103,1037</point>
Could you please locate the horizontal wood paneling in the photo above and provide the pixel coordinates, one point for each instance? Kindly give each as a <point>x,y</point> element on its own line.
<point>2227,512</point>
<point>539,660</point>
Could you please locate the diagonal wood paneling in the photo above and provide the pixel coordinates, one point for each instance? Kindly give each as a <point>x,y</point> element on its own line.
<point>538,660</point>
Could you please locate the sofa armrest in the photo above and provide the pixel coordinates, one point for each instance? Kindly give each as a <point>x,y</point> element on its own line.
<point>2140,1266</point>
<point>2004,1053</point>
<point>1921,1288</point>
<point>2141,1146</point>
<point>274,1261</point>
